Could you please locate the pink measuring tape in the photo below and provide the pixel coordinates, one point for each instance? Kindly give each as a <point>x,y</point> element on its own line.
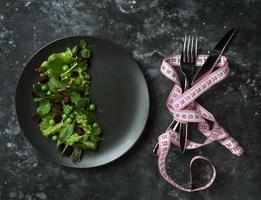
<point>184,108</point>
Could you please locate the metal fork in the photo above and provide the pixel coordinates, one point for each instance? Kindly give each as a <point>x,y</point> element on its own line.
<point>188,69</point>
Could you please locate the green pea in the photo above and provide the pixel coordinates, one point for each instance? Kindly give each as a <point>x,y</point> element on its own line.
<point>68,120</point>
<point>54,138</point>
<point>71,108</point>
<point>92,106</point>
<point>44,87</point>
<point>95,125</point>
<point>64,116</point>
<point>71,116</point>
<point>49,92</point>
<point>65,68</point>
<point>78,81</point>
<point>51,122</point>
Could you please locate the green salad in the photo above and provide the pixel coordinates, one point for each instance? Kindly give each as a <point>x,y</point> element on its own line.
<point>65,112</point>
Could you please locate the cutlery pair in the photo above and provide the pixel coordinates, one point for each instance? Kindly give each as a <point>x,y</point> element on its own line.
<point>192,76</point>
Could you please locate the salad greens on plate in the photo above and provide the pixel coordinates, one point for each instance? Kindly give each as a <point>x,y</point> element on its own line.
<point>65,112</point>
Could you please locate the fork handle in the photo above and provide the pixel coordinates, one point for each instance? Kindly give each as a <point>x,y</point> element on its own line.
<point>183,128</point>
<point>183,136</point>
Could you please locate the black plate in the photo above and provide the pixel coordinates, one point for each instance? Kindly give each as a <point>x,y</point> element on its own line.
<point>118,88</point>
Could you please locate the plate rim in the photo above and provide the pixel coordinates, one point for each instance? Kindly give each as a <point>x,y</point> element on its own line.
<point>148,103</point>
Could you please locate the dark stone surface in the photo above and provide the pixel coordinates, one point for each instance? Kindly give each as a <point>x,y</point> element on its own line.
<point>149,30</point>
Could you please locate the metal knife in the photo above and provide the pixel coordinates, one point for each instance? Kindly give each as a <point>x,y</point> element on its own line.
<point>215,55</point>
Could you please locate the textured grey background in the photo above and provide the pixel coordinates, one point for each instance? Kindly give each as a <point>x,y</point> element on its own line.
<point>148,30</point>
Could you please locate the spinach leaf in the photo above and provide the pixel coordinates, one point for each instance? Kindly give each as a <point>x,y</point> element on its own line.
<point>38,90</point>
<point>66,109</point>
<point>84,101</point>
<point>36,99</point>
<point>85,53</point>
<point>94,138</point>
<point>52,97</point>
<point>65,133</point>
<point>54,84</point>
<point>73,139</point>
<point>96,131</point>
<point>76,155</point>
<point>75,50</point>
<point>83,65</point>
<point>44,107</point>
<point>82,44</point>
<point>75,97</point>
<point>90,117</point>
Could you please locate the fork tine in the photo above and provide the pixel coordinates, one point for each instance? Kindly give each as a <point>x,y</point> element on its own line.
<point>184,49</point>
<point>192,50</point>
<point>188,48</point>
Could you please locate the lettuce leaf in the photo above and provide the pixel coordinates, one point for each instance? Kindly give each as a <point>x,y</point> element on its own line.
<point>88,145</point>
<point>48,130</point>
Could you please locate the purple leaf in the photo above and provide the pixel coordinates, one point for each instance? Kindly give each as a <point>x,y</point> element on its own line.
<point>43,79</point>
<point>39,69</point>
<point>68,151</point>
<point>61,90</point>
<point>74,74</point>
<point>81,93</point>
<point>57,106</point>
<point>66,100</point>
<point>79,130</point>
<point>34,94</point>
<point>37,118</point>
<point>57,119</point>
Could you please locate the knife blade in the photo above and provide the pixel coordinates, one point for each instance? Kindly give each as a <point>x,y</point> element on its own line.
<point>215,55</point>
